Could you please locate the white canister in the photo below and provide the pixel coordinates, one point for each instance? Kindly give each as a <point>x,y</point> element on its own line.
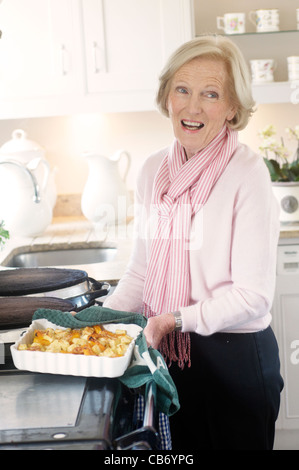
<point>262,70</point>
<point>265,20</point>
<point>287,195</point>
<point>293,68</point>
<point>232,23</point>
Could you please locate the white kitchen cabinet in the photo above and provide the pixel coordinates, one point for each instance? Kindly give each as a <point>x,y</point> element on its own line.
<point>71,56</point>
<point>39,49</point>
<point>127,42</point>
<point>285,313</point>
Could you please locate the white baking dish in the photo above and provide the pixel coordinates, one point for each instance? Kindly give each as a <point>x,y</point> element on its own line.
<point>72,364</point>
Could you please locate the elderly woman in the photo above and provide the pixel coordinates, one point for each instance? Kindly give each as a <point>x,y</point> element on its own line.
<point>203,264</point>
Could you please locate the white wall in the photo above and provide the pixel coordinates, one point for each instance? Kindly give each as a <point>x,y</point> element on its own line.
<point>280,115</point>
<point>66,138</point>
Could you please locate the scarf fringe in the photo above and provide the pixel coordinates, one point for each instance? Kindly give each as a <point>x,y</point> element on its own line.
<point>176,347</point>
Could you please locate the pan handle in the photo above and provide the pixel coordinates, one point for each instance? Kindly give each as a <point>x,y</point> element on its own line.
<point>99,289</point>
<point>94,294</point>
<point>83,300</point>
<point>97,285</point>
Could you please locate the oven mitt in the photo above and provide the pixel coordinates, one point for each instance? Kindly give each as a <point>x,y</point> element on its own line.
<point>147,363</point>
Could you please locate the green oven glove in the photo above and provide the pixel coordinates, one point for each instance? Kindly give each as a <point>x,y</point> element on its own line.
<point>147,364</point>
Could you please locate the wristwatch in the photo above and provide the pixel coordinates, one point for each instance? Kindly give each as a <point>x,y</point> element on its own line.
<point>178,321</point>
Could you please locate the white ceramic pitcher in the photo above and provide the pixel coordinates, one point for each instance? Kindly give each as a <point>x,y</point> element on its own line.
<point>30,153</point>
<point>105,198</point>
<point>23,205</point>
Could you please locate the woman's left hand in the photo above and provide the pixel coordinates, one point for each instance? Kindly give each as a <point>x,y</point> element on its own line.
<point>157,327</point>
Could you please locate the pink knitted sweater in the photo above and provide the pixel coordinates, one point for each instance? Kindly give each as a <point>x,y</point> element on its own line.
<point>232,252</point>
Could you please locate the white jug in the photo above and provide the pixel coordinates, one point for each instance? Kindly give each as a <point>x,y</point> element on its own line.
<point>30,153</point>
<point>23,205</point>
<point>105,198</point>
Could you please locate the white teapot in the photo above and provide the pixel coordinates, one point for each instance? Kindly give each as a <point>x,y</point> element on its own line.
<point>105,198</point>
<point>23,207</point>
<point>31,154</point>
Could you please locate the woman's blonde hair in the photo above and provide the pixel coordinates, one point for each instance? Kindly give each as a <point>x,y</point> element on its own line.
<point>217,48</point>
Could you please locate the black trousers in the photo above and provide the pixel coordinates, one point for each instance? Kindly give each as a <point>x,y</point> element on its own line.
<point>230,395</point>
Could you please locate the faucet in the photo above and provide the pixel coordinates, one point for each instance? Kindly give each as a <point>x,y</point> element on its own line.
<point>37,197</point>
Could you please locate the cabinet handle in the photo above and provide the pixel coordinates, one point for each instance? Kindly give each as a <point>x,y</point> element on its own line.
<point>63,60</point>
<point>95,59</point>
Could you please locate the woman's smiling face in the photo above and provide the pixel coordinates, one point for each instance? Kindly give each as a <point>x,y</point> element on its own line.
<point>199,103</point>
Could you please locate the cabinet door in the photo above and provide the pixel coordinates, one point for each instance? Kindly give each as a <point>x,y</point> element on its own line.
<point>127,42</point>
<point>37,47</point>
<point>286,327</point>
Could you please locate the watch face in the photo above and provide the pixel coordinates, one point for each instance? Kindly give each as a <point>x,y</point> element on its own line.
<point>178,320</point>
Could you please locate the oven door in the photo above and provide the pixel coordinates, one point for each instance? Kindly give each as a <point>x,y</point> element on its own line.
<point>41,411</point>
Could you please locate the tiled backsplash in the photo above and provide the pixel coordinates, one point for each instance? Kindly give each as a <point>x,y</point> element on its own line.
<point>68,205</point>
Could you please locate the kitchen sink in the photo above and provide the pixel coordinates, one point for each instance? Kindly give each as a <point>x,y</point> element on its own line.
<point>60,257</point>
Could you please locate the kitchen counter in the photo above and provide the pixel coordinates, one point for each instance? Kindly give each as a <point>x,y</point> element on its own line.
<point>79,233</point>
<point>289,231</point>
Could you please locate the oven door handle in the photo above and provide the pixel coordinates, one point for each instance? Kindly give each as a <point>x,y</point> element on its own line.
<point>149,409</point>
<point>146,437</point>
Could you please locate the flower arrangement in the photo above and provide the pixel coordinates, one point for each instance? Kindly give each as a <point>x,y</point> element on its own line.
<point>4,234</point>
<point>276,155</point>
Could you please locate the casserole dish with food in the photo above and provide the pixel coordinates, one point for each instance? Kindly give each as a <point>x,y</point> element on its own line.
<point>72,364</point>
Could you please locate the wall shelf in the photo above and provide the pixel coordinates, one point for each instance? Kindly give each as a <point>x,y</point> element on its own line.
<point>276,92</point>
<point>254,33</point>
<point>276,45</point>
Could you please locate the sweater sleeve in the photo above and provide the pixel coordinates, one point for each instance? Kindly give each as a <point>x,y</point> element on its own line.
<point>249,294</point>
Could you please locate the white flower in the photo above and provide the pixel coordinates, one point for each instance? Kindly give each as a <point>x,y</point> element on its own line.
<point>293,133</point>
<point>270,144</point>
<point>267,132</point>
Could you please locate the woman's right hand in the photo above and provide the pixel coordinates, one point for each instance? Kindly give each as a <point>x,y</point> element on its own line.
<point>157,327</point>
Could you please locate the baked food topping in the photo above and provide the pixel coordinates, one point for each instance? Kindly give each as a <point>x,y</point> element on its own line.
<point>90,341</point>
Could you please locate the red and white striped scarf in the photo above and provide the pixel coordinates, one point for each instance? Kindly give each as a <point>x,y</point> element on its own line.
<point>181,188</point>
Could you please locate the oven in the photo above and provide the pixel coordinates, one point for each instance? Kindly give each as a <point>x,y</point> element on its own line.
<point>51,411</point>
